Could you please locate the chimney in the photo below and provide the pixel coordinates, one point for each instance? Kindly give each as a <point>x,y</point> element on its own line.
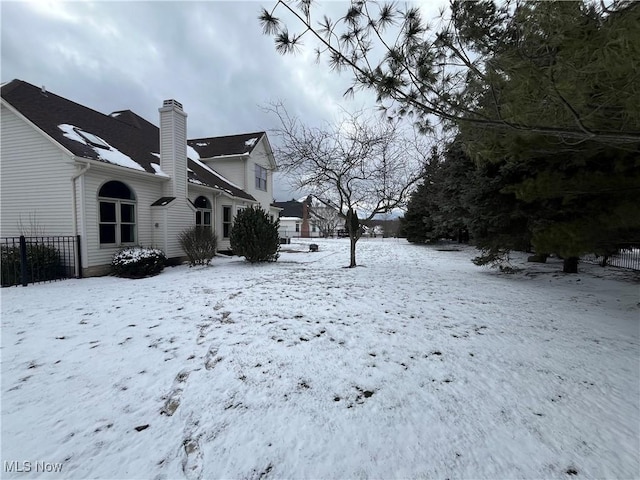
<point>173,148</point>
<point>305,220</point>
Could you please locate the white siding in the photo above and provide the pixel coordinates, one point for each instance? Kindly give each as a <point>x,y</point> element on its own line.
<point>287,227</point>
<point>180,216</point>
<point>173,148</point>
<point>35,180</point>
<point>259,157</point>
<point>145,191</point>
<point>233,169</point>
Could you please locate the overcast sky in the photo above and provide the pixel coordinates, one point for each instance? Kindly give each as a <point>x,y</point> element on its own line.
<point>210,56</point>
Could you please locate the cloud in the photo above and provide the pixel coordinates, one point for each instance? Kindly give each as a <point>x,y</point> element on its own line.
<point>211,56</point>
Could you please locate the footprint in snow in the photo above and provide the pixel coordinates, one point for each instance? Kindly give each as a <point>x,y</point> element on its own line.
<point>193,459</point>
<point>173,398</point>
<point>212,358</point>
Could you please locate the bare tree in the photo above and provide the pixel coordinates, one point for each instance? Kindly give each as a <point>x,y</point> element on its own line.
<point>364,166</point>
<point>327,217</point>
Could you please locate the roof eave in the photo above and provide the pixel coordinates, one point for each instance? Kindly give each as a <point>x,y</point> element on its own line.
<point>119,168</point>
<point>270,155</point>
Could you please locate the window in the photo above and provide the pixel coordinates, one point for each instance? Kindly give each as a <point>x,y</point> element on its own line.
<point>261,178</point>
<point>117,214</point>
<point>92,139</point>
<point>226,221</point>
<point>203,212</point>
<point>297,227</point>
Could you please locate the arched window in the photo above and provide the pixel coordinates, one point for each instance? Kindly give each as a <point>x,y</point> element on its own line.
<point>203,212</point>
<point>117,216</point>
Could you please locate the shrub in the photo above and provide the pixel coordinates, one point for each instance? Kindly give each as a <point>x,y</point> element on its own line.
<point>496,258</point>
<point>254,236</point>
<point>43,263</point>
<point>199,244</point>
<point>138,262</point>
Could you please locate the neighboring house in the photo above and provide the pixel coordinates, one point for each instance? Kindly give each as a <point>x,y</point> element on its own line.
<point>308,217</point>
<point>118,180</point>
<point>295,221</point>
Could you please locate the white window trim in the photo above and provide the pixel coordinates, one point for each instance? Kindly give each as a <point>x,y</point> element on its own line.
<point>230,222</point>
<point>118,223</point>
<point>261,175</point>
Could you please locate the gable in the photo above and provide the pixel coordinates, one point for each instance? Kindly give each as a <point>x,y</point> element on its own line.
<point>201,174</point>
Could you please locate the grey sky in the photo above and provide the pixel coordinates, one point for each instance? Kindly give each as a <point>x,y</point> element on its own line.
<point>211,56</point>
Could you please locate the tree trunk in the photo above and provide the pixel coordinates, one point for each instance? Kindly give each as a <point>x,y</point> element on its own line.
<point>353,241</point>
<point>570,265</point>
<point>353,227</point>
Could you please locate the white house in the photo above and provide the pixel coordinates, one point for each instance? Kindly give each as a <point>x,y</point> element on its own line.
<point>117,179</point>
<point>308,217</point>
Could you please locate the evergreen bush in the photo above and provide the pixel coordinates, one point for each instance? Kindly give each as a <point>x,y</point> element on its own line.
<point>138,262</point>
<point>43,263</point>
<point>255,236</point>
<point>199,244</point>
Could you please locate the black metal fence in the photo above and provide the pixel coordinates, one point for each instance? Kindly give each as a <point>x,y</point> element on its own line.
<point>27,260</point>
<point>627,257</point>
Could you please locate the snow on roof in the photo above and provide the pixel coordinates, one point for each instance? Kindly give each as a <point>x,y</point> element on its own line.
<point>212,171</point>
<point>158,170</point>
<point>109,154</point>
<point>251,142</point>
<point>192,153</point>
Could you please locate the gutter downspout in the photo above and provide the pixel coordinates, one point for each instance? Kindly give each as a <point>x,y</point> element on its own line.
<point>214,220</point>
<point>74,201</point>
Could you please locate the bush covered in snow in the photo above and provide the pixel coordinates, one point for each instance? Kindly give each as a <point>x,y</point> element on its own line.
<point>255,236</point>
<point>199,244</point>
<point>138,262</point>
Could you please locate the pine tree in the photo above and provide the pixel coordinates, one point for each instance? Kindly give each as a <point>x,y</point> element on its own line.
<point>255,236</point>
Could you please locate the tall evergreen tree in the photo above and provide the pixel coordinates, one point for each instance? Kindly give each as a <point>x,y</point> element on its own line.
<point>438,208</point>
<point>577,196</point>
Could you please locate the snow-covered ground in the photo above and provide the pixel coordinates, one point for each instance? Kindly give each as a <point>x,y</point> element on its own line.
<point>416,365</point>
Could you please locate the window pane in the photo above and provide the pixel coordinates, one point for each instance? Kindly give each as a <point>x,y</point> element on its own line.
<point>115,189</point>
<point>226,214</point>
<point>107,234</point>
<point>107,212</point>
<point>127,234</point>
<point>198,217</point>
<point>207,218</point>
<point>127,213</point>
<point>201,202</point>
<point>225,230</point>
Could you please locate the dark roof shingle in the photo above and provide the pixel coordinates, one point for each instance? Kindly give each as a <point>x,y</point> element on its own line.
<point>123,130</point>
<point>227,145</point>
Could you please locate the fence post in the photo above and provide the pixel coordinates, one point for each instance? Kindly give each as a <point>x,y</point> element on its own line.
<point>79,256</point>
<point>23,261</point>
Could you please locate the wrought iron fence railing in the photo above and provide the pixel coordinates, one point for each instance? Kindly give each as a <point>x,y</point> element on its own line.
<point>627,257</point>
<point>25,260</point>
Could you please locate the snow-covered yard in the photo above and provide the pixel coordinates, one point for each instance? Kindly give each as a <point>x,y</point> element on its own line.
<point>416,365</point>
